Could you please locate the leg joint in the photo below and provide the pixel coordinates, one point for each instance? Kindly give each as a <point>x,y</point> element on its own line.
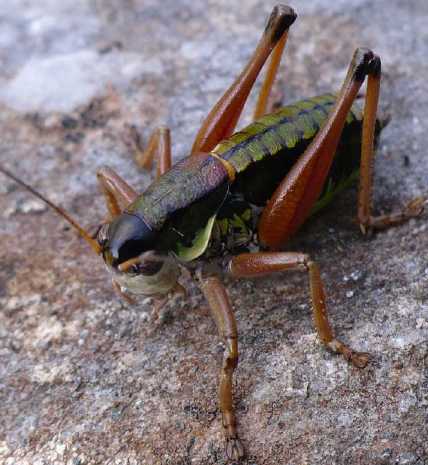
<point>103,171</point>
<point>307,262</point>
<point>230,362</point>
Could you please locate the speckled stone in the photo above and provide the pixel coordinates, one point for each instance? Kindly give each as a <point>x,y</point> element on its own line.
<point>84,378</point>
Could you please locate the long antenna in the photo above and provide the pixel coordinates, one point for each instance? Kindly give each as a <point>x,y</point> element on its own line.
<point>83,233</point>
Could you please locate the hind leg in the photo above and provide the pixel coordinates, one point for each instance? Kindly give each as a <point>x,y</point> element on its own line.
<point>222,119</point>
<point>366,220</point>
<point>292,201</point>
<point>263,106</point>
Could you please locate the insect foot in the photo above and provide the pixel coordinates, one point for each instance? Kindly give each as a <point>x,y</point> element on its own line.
<point>412,210</point>
<point>358,359</point>
<point>234,449</point>
<point>415,207</point>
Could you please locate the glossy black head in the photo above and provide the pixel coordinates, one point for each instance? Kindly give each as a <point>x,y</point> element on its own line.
<point>126,237</point>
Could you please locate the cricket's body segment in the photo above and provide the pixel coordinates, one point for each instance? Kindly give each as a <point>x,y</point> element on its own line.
<point>264,152</point>
<point>263,181</point>
<point>179,203</point>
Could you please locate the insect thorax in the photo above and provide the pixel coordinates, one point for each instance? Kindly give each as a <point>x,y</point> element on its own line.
<point>234,228</point>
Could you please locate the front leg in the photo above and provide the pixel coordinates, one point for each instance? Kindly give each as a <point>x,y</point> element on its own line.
<point>222,312</point>
<point>118,194</point>
<point>250,265</point>
<point>159,147</point>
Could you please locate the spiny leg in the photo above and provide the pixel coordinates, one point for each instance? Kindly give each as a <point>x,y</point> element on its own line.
<point>118,195</point>
<point>366,220</point>
<point>159,146</point>
<point>222,312</point>
<point>222,119</point>
<point>117,192</point>
<point>258,264</point>
<point>294,198</point>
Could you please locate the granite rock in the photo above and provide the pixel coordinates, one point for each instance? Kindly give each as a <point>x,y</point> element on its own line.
<point>84,379</point>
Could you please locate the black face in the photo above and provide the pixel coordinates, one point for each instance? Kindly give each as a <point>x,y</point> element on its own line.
<point>126,237</point>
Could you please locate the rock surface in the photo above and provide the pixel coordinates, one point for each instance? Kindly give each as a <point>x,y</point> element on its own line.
<point>83,378</point>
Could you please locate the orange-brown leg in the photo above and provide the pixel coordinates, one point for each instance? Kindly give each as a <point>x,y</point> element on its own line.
<point>258,264</point>
<point>222,312</point>
<point>263,106</point>
<point>159,146</point>
<point>118,193</point>
<point>294,198</point>
<point>222,119</point>
<point>366,220</point>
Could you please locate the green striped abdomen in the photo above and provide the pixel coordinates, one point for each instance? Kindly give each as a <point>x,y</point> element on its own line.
<point>264,152</point>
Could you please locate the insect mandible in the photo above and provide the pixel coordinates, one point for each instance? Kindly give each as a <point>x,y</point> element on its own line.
<point>259,184</point>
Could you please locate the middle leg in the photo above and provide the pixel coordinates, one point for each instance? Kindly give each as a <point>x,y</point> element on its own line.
<point>250,265</point>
